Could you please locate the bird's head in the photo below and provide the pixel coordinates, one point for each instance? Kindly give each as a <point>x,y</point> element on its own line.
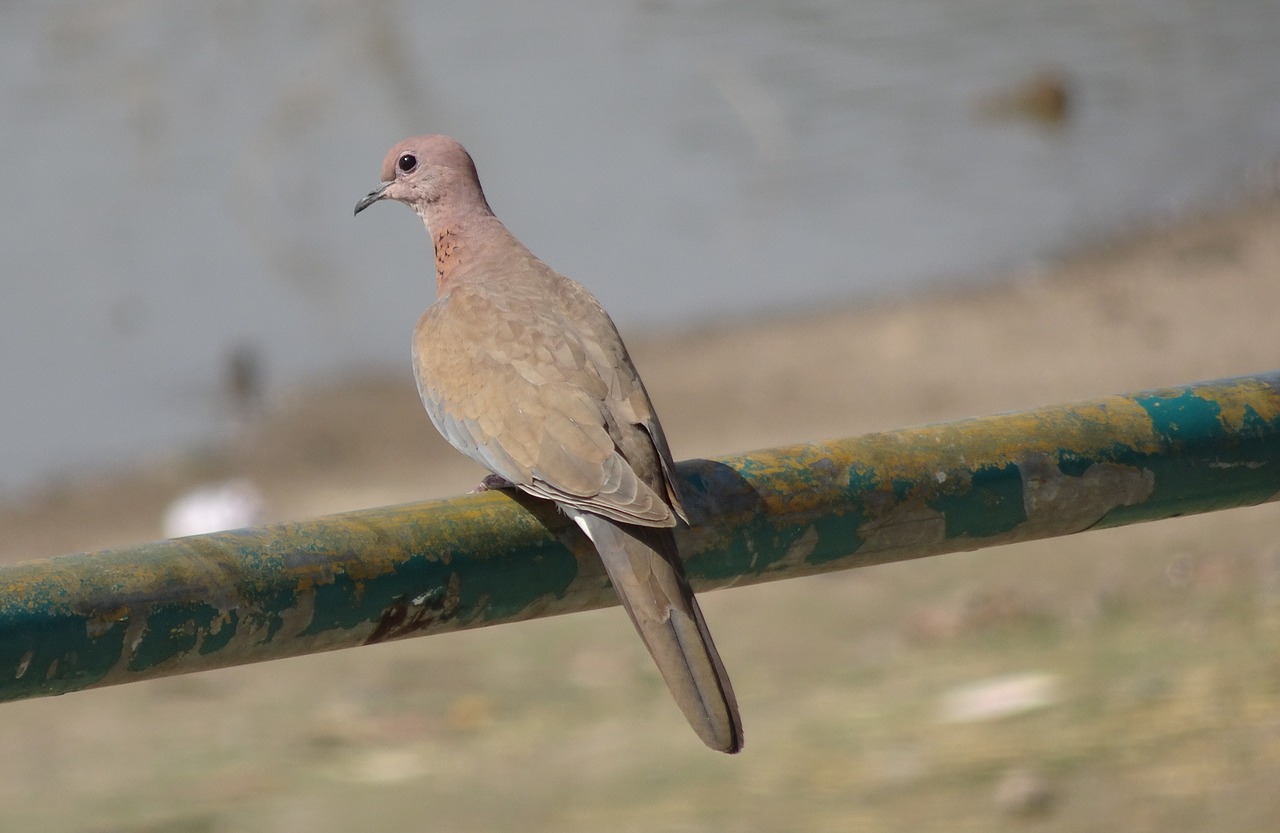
<point>426,171</point>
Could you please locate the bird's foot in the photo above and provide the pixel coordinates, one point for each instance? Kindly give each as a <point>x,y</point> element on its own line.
<point>492,481</point>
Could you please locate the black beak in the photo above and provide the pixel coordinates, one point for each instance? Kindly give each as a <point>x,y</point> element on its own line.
<point>372,197</point>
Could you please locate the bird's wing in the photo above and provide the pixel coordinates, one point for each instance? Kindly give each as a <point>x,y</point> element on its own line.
<point>534,383</point>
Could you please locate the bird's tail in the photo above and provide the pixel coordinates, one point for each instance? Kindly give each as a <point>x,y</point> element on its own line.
<point>646,571</point>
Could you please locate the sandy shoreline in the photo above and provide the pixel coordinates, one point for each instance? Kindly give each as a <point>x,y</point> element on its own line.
<point>1196,300</point>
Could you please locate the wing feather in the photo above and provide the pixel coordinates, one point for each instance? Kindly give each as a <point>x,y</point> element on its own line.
<point>553,405</point>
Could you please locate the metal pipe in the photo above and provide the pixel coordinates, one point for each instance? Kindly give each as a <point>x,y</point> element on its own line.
<point>209,601</point>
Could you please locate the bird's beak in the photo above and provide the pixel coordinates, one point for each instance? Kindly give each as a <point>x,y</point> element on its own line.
<point>372,197</point>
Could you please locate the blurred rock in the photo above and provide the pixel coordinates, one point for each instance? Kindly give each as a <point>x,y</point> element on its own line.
<point>1044,97</point>
<point>1022,792</point>
<point>230,505</point>
<point>999,697</point>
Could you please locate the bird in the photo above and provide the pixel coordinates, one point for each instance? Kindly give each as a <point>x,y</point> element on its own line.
<point>522,370</point>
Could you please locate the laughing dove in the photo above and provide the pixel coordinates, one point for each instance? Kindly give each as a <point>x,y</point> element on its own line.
<point>522,370</point>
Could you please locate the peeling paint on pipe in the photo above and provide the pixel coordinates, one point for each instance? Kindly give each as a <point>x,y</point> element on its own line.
<point>210,601</point>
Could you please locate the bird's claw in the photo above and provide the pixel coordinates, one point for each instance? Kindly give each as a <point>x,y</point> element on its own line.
<point>492,481</point>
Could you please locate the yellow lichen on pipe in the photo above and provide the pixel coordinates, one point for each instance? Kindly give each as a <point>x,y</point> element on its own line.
<point>208,601</point>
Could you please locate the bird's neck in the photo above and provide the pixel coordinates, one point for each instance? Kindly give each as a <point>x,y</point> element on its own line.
<point>462,243</point>
<point>451,254</point>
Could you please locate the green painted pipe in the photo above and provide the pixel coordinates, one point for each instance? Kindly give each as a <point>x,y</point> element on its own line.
<point>208,601</point>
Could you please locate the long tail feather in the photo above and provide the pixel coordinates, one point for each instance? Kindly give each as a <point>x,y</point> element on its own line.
<point>645,569</point>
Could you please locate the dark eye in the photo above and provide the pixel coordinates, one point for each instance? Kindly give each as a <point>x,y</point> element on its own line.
<point>407,162</point>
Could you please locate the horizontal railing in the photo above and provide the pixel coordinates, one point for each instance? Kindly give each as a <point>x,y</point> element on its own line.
<point>208,601</point>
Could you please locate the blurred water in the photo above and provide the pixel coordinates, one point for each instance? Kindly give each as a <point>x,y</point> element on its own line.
<point>179,177</point>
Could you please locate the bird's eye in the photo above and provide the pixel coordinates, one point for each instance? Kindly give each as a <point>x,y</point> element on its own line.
<point>407,162</point>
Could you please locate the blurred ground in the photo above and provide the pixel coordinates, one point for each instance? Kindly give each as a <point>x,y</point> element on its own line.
<point>1151,651</point>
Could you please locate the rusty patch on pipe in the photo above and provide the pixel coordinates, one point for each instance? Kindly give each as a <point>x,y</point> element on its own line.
<point>910,524</point>
<point>1057,501</point>
<point>404,617</point>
